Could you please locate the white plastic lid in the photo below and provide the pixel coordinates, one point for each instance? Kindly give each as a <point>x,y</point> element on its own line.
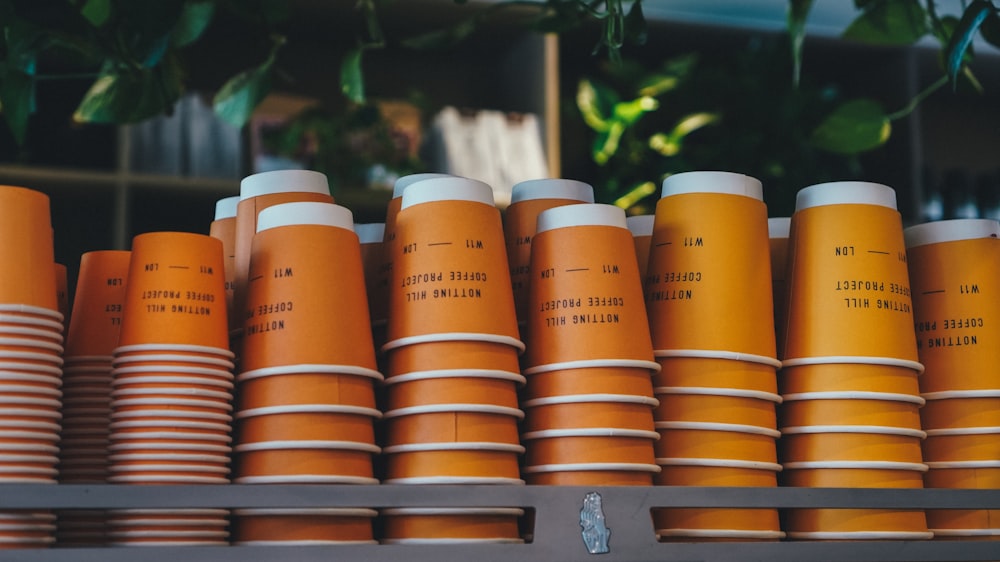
<point>641,225</point>
<point>371,232</point>
<point>552,188</point>
<point>225,208</point>
<point>584,214</point>
<point>845,193</point>
<point>447,188</point>
<point>713,182</point>
<point>406,181</point>
<point>283,181</point>
<point>301,213</point>
<point>778,227</point>
<point>950,231</point>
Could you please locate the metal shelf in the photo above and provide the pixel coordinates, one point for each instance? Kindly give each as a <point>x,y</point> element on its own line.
<point>556,533</point>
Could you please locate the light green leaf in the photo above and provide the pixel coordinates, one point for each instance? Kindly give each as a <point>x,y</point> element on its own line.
<point>596,103</point>
<point>96,11</point>
<point>193,22</point>
<point>890,22</point>
<point>854,127</point>
<point>962,36</point>
<point>241,94</point>
<point>798,12</point>
<point>352,80</point>
<point>628,112</point>
<point>122,95</point>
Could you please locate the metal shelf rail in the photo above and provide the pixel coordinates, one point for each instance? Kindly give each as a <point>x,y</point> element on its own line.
<point>557,532</point>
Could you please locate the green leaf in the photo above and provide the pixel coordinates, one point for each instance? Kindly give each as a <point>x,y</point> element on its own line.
<point>596,103</point>
<point>96,11</point>
<point>122,95</point>
<point>441,38</point>
<point>352,81</point>
<point>238,97</point>
<point>890,22</point>
<point>16,98</point>
<point>798,12</point>
<point>990,29</point>
<point>628,112</point>
<point>962,36</point>
<point>193,22</point>
<point>856,126</point>
<point>606,143</point>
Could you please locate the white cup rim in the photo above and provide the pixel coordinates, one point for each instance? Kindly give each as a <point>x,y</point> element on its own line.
<point>217,382</point>
<point>719,391</point>
<point>154,446</point>
<point>714,426</point>
<point>455,409</point>
<point>721,533</point>
<point>599,215</point>
<point>44,402</point>
<point>551,188</point>
<point>453,337</point>
<point>155,436</point>
<point>283,181</point>
<point>718,354</point>
<point>860,535</point>
<point>115,469</point>
<point>47,324</point>
<point>370,232</point>
<point>301,542</point>
<point>447,189</point>
<point>43,378</point>
<point>191,392</point>
<point>640,225</point>
<point>323,445</point>
<point>27,342</point>
<point>172,358</point>
<point>30,389</point>
<point>456,373</point>
<point>590,432</point>
<point>309,369</point>
<point>950,230</point>
<point>308,409</point>
<point>306,213</point>
<point>993,463</point>
<point>966,532</point>
<point>141,369</point>
<point>447,541</point>
<point>191,457</point>
<point>143,347</point>
<point>719,463</point>
<point>591,467</point>
<point>166,479</point>
<point>17,367</point>
<point>127,414</point>
<point>845,193</point>
<point>593,363</point>
<point>190,402</point>
<point>15,457</point>
<point>853,360</point>
<point>29,413</point>
<point>715,182</point>
<point>318,511</point>
<point>36,332</point>
<point>957,394</point>
<point>178,424</point>
<point>32,310</point>
<point>866,429</point>
<point>52,358</point>
<point>29,425</point>
<point>853,395</point>
<point>586,398</point>
<point>869,465</point>
<point>949,431</point>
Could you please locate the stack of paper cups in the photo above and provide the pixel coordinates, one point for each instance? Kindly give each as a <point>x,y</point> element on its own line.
<point>172,385</point>
<point>528,199</point>
<point>306,399</point>
<point>30,358</point>
<point>589,397</point>
<point>850,416</point>
<point>777,231</point>
<point>708,296</point>
<point>223,227</point>
<point>371,236</point>
<point>258,192</point>
<point>954,274</point>
<point>91,338</point>
<point>452,352</point>
<point>641,227</point>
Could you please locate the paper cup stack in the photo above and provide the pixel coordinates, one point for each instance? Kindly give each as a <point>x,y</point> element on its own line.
<point>172,386</point>
<point>91,338</point>
<point>708,296</point>
<point>306,396</point>
<point>589,400</point>
<point>452,356</point>
<point>954,274</point>
<point>850,416</point>
<point>223,227</point>
<point>30,359</point>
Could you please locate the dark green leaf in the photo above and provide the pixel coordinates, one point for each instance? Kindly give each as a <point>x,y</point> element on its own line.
<point>16,98</point>
<point>194,19</point>
<point>798,12</point>
<point>96,11</point>
<point>635,24</point>
<point>856,126</point>
<point>962,36</point>
<point>144,27</point>
<point>129,95</point>
<point>441,38</point>
<point>990,30</point>
<point>890,22</point>
<point>352,81</point>
<point>238,97</point>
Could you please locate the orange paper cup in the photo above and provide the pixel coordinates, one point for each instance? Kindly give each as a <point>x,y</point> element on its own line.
<point>307,422</point>
<point>716,405</point>
<point>351,459</point>
<point>707,368</point>
<point>449,263</point>
<point>964,444</point>
<point>223,227</point>
<point>711,228</point>
<point>856,524</point>
<point>716,472</point>
<point>453,386</point>
<point>451,522</point>
<point>585,301</point>
<point>371,236</point>
<point>716,440</point>
<point>591,474</point>
<point>962,522</point>
<point>714,524</point>
<point>589,445</point>
<point>175,292</point>
<point>851,408</point>
<point>452,351</point>
<point>835,374</point>
<point>494,461</point>
<point>961,255</point>
<point>590,377</point>
<point>589,410</point>
<point>307,384</point>
<point>528,199</point>
<point>853,474</point>
<point>277,525</point>
<point>848,284</point>
<point>961,409</point>
<point>26,225</point>
<point>850,443</point>
<point>452,423</point>
<point>641,227</point>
